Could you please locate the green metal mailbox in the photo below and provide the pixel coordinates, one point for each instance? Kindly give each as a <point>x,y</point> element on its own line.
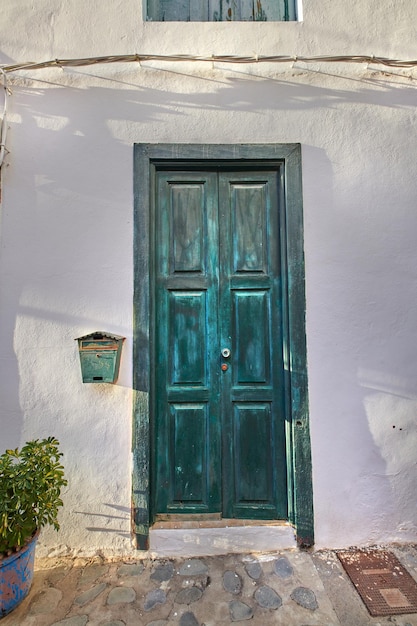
<point>100,357</point>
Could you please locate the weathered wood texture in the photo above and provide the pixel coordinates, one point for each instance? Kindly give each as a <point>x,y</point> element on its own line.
<point>220,433</point>
<point>220,10</point>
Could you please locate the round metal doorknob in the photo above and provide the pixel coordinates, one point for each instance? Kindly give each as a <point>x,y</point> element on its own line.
<point>226,353</point>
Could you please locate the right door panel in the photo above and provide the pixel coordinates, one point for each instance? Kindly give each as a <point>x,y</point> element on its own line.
<point>252,389</point>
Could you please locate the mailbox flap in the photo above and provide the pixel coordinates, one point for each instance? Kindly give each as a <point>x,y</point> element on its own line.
<point>91,344</point>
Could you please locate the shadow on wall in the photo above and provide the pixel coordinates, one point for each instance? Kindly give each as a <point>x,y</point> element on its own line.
<point>118,519</point>
<point>11,416</point>
<point>77,168</point>
<point>361,294</point>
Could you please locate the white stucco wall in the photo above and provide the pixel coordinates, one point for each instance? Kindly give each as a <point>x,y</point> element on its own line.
<point>66,238</point>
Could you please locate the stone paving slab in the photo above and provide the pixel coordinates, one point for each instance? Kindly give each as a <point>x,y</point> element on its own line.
<point>290,588</point>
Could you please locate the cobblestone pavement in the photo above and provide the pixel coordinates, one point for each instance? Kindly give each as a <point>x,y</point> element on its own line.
<point>292,588</point>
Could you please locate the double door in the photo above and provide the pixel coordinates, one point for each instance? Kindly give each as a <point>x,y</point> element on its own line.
<point>218,366</point>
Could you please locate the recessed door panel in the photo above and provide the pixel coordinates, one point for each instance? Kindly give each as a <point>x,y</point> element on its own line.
<point>251,322</point>
<point>187,228</point>
<point>249,224</point>
<point>252,462</point>
<point>188,457</point>
<point>188,340</point>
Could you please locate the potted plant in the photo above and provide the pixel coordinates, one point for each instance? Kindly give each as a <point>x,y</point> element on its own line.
<point>30,485</point>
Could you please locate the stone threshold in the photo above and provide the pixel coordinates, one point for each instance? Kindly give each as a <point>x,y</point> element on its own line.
<point>216,537</point>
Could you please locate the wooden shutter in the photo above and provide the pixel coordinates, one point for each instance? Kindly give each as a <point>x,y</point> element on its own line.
<point>220,10</point>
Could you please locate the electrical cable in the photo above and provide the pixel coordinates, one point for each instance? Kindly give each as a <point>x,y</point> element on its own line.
<point>226,59</point>
<point>138,58</point>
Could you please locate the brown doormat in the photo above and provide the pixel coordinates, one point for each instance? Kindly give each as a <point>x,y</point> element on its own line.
<point>383,583</point>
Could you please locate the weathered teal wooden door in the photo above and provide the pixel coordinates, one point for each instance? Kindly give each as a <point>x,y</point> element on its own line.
<point>219,399</point>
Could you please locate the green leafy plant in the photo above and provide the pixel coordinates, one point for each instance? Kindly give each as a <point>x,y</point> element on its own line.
<point>31,480</point>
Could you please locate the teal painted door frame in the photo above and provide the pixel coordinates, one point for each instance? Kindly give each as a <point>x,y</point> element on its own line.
<point>285,160</point>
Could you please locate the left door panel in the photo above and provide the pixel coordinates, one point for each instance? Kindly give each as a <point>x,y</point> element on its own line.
<point>187,437</point>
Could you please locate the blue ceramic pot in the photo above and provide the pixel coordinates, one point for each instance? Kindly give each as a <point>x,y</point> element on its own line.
<point>16,575</point>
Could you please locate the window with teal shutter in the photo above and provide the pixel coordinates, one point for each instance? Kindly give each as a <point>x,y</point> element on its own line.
<point>220,10</point>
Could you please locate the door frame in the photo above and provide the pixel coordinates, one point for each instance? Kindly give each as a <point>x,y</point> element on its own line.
<point>147,157</point>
